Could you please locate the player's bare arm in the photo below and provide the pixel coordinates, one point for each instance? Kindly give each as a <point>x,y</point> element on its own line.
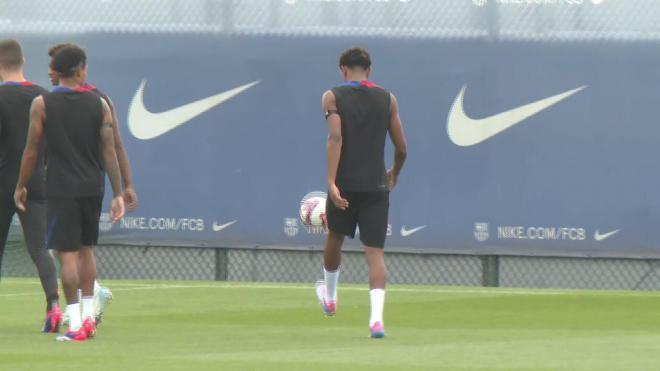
<point>117,209</point>
<point>399,141</point>
<point>333,148</point>
<point>31,152</point>
<point>130,197</point>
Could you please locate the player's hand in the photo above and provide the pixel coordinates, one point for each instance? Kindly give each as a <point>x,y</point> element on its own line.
<point>117,209</point>
<point>340,202</point>
<point>130,199</point>
<point>391,179</point>
<point>20,198</point>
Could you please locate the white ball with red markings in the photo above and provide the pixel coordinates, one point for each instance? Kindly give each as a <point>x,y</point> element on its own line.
<point>312,212</point>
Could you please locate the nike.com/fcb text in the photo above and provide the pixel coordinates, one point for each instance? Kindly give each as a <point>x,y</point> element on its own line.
<point>541,233</point>
<point>163,224</point>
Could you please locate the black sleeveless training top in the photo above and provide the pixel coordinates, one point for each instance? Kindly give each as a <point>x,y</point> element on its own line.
<point>364,108</point>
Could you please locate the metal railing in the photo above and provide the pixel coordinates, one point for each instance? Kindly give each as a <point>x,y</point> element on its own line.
<point>304,265</point>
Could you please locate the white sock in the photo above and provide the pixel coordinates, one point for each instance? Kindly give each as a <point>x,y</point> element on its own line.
<point>87,307</point>
<point>377,297</point>
<point>331,279</point>
<point>73,311</point>
<point>97,287</point>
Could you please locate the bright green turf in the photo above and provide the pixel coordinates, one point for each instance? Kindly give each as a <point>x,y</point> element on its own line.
<point>231,326</point>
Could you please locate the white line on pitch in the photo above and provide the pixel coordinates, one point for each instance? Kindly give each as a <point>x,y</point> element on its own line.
<point>118,286</point>
<point>21,294</point>
<point>136,287</point>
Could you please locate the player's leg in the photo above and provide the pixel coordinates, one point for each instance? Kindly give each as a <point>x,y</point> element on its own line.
<point>91,213</point>
<point>373,230</point>
<point>70,284</point>
<point>87,273</point>
<point>33,221</point>
<point>377,278</point>
<point>326,289</point>
<point>63,234</point>
<point>341,223</point>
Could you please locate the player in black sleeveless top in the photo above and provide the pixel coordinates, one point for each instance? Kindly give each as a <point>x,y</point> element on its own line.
<point>130,197</point>
<point>77,127</point>
<point>359,115</point>
<point>102,294</point>
<point>16,95</point>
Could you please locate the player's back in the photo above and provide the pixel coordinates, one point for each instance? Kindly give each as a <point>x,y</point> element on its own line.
<point>364,109</point>
<point>72,130</point>
<point>15,102</point>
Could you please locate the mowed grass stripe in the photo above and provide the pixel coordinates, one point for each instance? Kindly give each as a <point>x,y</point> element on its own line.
<point>169,325</point>
<point>147,285</point>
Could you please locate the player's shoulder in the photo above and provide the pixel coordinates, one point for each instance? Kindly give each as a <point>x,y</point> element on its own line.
<point>372,85</point>
<point>24,90</point>
<point>392,97</point>
<point>96,91</point>
<point>38,102</point>
<point>328,94</point>
<point>40,90</point>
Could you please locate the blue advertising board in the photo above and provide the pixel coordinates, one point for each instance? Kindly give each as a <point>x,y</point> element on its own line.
<point>536,147</point>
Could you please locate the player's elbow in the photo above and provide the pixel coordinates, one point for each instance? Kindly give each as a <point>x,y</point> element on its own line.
<point>401,150</point>
<point>119,146</point>
<point>30,154</point>
<point>334,139</point>
<point>109,152</point>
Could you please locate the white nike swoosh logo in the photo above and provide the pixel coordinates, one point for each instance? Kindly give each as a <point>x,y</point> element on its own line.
<point>465,131</point>
<point>147,125</point>
<point>600,237</point>
<point>407,232</point>
<point>218,228</point>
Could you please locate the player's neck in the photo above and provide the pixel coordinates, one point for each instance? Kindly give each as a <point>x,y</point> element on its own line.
<point>71,83</point>
<point>15,76</point>
<point>357,77</point>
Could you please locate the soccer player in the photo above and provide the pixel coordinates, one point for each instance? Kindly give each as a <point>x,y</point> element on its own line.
<point>102,294</point>
<point>359,115</point>
<point>77,127</point>
<point>16,95</point>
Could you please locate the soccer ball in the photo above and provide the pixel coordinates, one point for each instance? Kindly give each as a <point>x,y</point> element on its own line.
<point>312,212</point>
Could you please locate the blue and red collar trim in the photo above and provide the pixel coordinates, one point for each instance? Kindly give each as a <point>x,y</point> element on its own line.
<point>365,83</point>
<point>17,83</point>
<point>83,89</point>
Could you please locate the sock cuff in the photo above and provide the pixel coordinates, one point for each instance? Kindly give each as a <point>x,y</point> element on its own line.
<point>334,271</point>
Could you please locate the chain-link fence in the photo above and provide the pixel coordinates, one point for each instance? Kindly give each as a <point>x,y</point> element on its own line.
<point>287,265</point>
<point>496,19</point>
<point>524,20</point>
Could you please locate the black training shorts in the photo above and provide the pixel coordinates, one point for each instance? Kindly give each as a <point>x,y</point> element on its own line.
<point>367,210</point>
<point>73,222</point>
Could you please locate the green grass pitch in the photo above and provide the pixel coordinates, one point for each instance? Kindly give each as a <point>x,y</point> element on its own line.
<point>167,325</point>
